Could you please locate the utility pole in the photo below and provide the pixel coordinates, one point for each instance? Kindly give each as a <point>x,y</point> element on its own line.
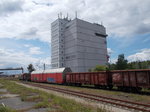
<point>44,66</point>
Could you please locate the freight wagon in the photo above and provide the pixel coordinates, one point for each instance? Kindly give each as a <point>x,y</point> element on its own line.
<point>50,75</point>
<point>98,79</point>
<point>25,77</point>
<point>126,80</point>
<point>133,80</point>
<point>37,76</point>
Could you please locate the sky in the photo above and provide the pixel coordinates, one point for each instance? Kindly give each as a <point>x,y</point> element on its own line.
<point>25,28</point>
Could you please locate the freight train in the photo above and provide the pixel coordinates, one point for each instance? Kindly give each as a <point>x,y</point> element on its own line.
<point>126,80</point>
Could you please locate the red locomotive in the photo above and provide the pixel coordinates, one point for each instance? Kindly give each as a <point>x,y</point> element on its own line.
<point>133,80</point>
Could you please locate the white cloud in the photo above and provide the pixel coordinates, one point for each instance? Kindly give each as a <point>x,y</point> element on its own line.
<point>27,45</point>
<point>35,50</point>
<point>40,64</point>
<point>13,58</point>
<point>10,57</point>
<point>122,18</point>
<point>110,51</point>
<point>142,55</point>
<point>113,60</point>
<point>8,7</point>
<point>26,19</point>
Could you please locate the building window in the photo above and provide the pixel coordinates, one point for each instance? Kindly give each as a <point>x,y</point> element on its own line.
<point>62,64</point>
<point>101,35</point>
<point>67,27</point>
<point>67,57</point>
<point>55,65</point>
<point>54,25</point>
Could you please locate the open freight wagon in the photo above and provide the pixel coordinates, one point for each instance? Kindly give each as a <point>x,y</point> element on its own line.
<point>98,79</point>
<point>133,80</point>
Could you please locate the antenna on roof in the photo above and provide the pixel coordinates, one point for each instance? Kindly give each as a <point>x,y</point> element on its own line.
<point>44,66</point>
<point>76,14</point>
<point>67,16</point>
<point>101,22</point>
<point>58,16</point>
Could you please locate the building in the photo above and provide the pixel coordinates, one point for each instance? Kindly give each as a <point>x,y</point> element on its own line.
<point>78,44</point>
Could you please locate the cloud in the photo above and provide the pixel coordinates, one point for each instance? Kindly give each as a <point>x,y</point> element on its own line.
<point>10,57</point>
<point>13,58</point>
<point>31,32</point>
<point>35,50</point>
<point>121,18</point>
<point>110,51</point>
<point>39,65</point>
<point>8,7</point>
<point>27,45</point>
<point>32,21</point>
<point>113,60</point>
<point>142,55</point>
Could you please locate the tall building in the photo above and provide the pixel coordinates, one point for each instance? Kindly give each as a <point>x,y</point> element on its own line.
<point>78,44</point>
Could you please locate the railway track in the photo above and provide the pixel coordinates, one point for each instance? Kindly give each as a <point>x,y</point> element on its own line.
<point>98,98</point>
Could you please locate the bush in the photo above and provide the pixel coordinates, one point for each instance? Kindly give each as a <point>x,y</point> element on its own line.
<point>99,68</point>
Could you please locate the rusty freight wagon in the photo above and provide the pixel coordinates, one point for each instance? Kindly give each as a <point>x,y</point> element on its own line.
<point>26,76</point>
<point>133,80</point>
<point>98,79</point>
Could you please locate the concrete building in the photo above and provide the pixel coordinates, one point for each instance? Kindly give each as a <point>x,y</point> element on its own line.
<point>78,44</point>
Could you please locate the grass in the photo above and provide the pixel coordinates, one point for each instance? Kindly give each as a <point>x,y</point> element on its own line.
<point>46,100</point>
<point>109,93</point>
<point>6,109</point>
<point>2,92</point>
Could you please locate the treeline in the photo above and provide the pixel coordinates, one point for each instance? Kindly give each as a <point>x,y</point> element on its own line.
<point>123,64</point>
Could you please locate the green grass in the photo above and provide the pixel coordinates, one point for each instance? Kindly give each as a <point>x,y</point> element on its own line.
<point>47,100</point>
<point>109,93</point>
<point>6,109</point>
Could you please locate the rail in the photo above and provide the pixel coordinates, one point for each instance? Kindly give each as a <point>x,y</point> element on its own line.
<point>118,102</point>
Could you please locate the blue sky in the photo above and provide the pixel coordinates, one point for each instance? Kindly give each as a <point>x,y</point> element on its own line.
<point>25,34</point>
<point>132,47</point>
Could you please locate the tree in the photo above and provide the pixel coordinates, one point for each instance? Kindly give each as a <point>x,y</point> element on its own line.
<point>30,68</point>
<point>139,65</point>
<point>111,66</point>
<point>121,63</point>
<point>99,68</point>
